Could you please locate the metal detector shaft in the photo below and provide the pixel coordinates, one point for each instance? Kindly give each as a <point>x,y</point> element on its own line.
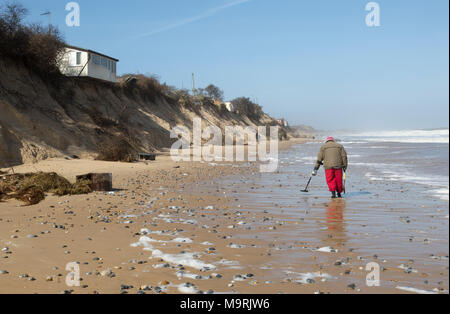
<point>307,186</point>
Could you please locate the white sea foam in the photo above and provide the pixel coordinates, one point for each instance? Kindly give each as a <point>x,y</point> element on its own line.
<point>229,264</point>
<point>188,289</point>
<point>327,249</point>
<point>182,240</point>
<point>407,136</point>
<point>308,278</point>
<point>352,142</point>
<point>144,243</point>
<point>182,274</point>
<point>236,246</point>
<point>371,177</point>
<point>443,193</point>
<point>438,184</point>
<point>146,231</point>
<point>129,216</point>
<point>177,240</point>
<point>186,259</point>
<point>414,290</point>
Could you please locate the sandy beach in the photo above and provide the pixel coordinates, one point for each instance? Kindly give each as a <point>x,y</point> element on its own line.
<point>213,228</point>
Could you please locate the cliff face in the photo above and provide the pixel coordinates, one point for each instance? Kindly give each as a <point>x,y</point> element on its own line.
<point>66,117</point>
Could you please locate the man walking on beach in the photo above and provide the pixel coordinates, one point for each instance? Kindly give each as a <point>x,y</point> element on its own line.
<point>334,158</point>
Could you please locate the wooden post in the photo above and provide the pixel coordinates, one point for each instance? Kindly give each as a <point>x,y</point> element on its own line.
<point>99,181</point>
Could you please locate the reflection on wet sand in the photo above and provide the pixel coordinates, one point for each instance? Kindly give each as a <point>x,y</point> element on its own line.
<point>335,223</point>
<point>335,215</point>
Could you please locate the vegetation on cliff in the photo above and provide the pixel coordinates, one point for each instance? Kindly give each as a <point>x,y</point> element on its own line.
<point>46,114</point>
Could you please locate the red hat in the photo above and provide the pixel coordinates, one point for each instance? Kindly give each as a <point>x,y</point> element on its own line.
<point>330,139</point>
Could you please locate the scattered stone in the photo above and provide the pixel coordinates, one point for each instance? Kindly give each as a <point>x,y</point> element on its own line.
<point>108,273</point>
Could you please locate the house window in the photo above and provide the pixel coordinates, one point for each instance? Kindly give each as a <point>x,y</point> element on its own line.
<point>108,64</point>
<point>96,59</point>
<point>72,58</point>
<point>78,58</point>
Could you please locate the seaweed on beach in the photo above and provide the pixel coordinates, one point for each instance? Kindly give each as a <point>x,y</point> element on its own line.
<point>31,187</point>
<point>30,195</point>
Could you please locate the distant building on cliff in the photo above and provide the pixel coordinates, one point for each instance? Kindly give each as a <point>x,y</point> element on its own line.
<point>283,123</point>
<point>83,62</point>
<point>230,107</point>
<point>227,104</point>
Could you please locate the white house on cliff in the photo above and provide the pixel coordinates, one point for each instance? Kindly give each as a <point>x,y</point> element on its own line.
<point>83,62</point>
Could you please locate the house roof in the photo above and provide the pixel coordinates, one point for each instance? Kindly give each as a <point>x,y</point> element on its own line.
<point>92,51</point>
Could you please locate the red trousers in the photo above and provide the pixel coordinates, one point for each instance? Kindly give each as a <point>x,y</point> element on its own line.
<point>334,180</point>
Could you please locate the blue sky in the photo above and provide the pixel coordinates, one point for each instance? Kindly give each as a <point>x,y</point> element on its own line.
<point>312,61</point>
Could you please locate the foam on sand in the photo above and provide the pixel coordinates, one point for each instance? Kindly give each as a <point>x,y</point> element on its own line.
<point>229,264</point>
<point>308,278</point>
<point>188,289</point>
<point>182,240</point>
<point>176,240</point>
<point>236,246</point>
<point>186,259</point>
<point>327,249</point>
<point>414,290</point>
<point>181,274</point>
<point>145,231</point>
<point>144,243</point>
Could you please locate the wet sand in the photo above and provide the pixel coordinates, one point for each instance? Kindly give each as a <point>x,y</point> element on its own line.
<point>216,227</point>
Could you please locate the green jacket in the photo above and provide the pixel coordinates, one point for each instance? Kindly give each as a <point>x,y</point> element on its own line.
<point>332,156</point>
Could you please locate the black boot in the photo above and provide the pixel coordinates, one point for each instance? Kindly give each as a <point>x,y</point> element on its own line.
<point>339,195</point>
<point>333,195</point>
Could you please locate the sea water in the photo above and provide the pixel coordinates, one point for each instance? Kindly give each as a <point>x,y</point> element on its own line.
<point>417,156</point>
<point>393,178</point>
<point>395,208</point>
